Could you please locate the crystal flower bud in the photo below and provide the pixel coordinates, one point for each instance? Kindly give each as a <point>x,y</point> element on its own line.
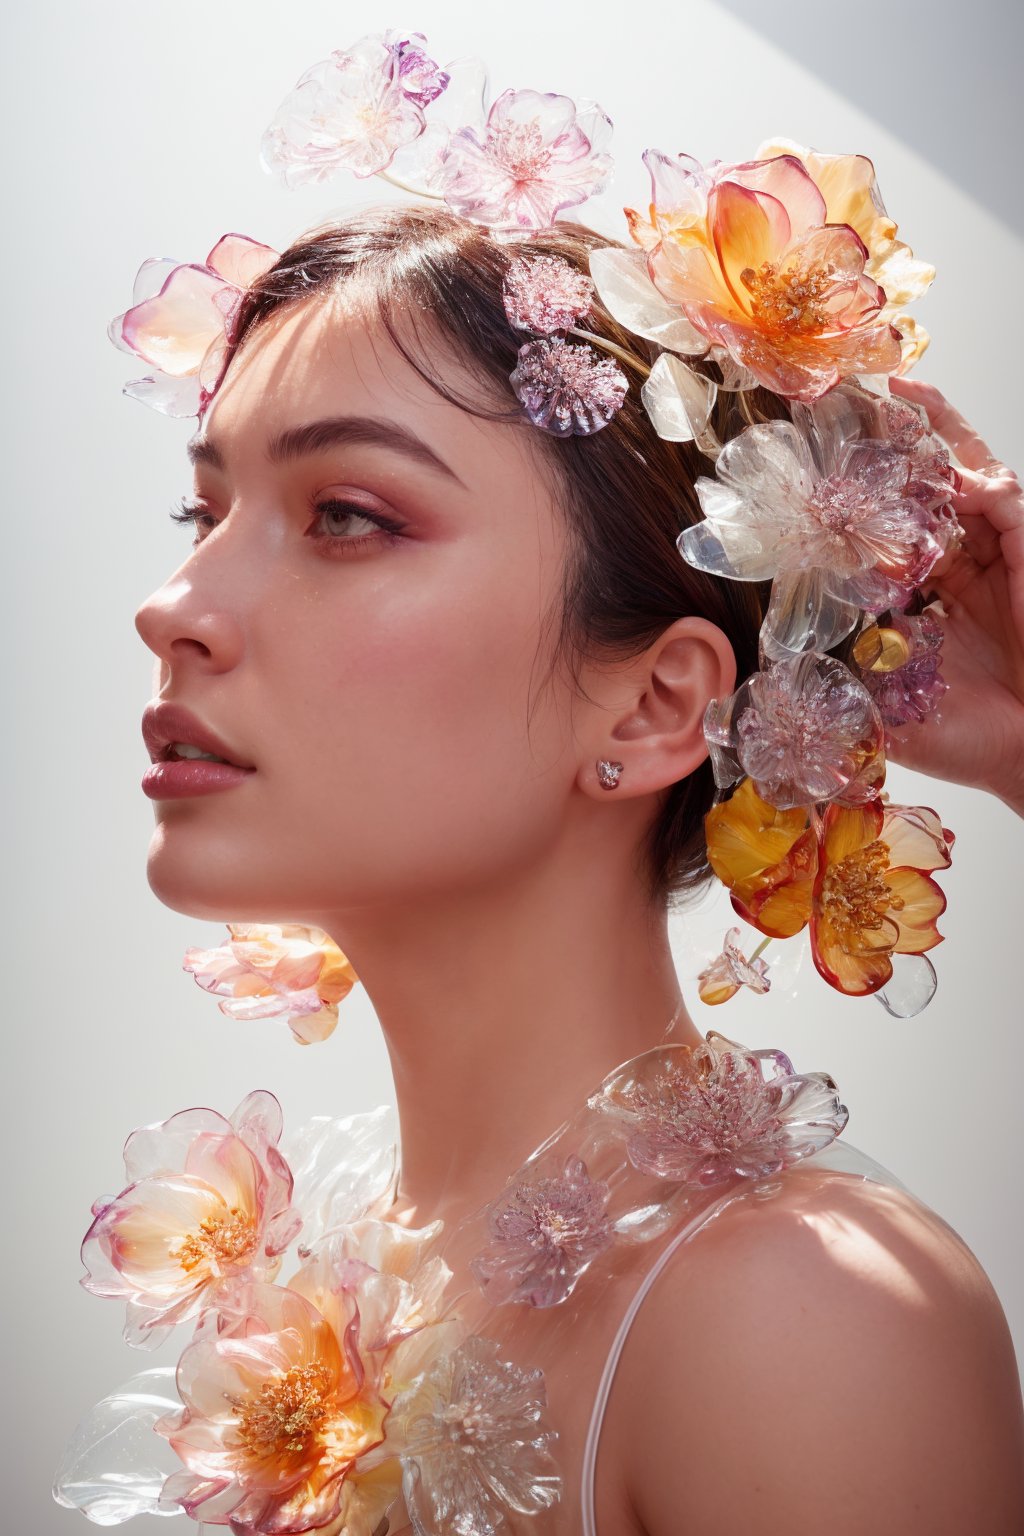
<point>566,387</point>
<point>546,294</point>
<point>900,665</point>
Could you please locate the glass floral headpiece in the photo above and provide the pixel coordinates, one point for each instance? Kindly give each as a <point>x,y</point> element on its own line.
<point>782,272</point>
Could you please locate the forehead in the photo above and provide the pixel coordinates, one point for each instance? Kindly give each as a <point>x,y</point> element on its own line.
<point>332,357</point>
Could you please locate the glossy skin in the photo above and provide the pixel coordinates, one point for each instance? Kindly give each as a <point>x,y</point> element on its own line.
<point>425,793</point>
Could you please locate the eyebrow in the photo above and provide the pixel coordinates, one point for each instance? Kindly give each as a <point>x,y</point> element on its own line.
<point>333,432</point>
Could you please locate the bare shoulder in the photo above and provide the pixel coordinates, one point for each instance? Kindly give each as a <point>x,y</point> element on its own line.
<point>833,1357</point>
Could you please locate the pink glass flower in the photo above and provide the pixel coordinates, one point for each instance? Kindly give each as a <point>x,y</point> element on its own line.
<point>545,294</point>
<point>278,1410</point>
<point>277,971</point>
<point>180,323</point>
<point>353,111</point>
<point>804,729</point>
<point>566,387</point>
<point>474,1443</point>
<point>536,154</point>
<point>747,254</point>
<point>208,1200</point>
<point>730,971</point>
<point>900,664</point>
<point>705,1115</point>
<point>843,520</point>
<point>543,1235</point>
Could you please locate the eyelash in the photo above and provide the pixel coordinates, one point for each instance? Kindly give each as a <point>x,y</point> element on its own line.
<point>335,546</point>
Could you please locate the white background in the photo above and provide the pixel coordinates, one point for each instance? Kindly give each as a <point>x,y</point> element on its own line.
<point>133,131</point>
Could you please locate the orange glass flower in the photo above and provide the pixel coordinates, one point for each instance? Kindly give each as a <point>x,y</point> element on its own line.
<point>751,257</point>
<point>859,877</point>
<point>848,185</point>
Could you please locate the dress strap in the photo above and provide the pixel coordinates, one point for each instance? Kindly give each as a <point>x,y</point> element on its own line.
<point>690,1229</point>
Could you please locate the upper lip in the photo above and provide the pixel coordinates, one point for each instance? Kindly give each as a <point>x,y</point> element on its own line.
<point>163,724</point>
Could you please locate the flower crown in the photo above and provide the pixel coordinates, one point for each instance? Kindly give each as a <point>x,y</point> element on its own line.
<point>783,272</point>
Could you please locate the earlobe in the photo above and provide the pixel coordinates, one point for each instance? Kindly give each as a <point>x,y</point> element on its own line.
<point>659,738</point>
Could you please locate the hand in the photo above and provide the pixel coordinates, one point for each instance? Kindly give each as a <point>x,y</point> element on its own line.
<point>978,738</point>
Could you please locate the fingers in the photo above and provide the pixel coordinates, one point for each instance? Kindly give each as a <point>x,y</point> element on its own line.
<point>946,420</point>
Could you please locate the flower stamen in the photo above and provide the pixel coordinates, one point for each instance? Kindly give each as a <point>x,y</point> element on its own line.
<point>856,898</point>
<point>287,1413</point>
<point>221,1242</point>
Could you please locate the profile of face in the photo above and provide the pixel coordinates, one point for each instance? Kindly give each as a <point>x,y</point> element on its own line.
<point>361,619</point>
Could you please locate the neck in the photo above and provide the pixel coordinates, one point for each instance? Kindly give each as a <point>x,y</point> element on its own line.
<point>502,1010</point>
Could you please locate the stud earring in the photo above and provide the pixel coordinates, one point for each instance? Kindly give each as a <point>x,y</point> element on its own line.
<point>608,773</point>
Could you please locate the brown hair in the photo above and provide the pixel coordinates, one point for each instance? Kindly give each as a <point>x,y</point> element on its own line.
<point>626,493</point>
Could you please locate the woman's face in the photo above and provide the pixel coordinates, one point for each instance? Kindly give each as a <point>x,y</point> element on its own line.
<point>377,677</point>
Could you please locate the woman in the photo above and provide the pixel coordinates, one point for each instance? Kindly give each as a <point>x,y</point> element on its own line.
<point>415,645</point>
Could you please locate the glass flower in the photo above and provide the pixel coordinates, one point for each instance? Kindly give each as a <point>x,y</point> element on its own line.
<point>844,522</point>
<point>474,1443</point>
<point>536,154</point>
<point>567,387</point>
<point>747,254</point>
<point>542,1235</point>
<point>354,111</point>
<point>729,971</point>
<point>208,1199</point>
<point>804,729</point>
<point>278,1409</point>
<point>181,319</point>
<point>277,971</point>
<point>860,877</point>
<point>850,189</point>
<point>545,294</point>
<point>707,1114</point>
<point>900,664</point>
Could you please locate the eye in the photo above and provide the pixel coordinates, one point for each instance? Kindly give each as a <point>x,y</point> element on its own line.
<point>191,512</point>
<point>341,525</point>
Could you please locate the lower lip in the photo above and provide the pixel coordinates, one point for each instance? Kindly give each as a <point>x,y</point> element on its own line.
<point>184,778</point>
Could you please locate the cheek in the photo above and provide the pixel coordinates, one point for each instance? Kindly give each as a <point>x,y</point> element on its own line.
<point>407,725</point>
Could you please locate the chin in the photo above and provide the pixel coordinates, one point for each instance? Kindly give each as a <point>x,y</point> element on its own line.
<point>212,885</point>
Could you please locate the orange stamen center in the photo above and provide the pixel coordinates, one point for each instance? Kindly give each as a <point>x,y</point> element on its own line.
<point>220,1241</point>
<point>855,895</point>
<point>789,298</point>
<point>288,1411</point>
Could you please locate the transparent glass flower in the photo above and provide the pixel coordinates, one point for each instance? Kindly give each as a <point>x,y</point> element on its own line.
<point>805,730</point>
<point>731,970</point>
<point>843,522</point>
<point>900,664</point>
<point>209,1200</point>
<point>717,1111</point>
<point>181,320</point>
<point>567,387</point>
<point>536,154</point>
<point>474,1443</point>
<point>747,254</point>
<point>277,971</point>
<point>545,294</point>
<point>543,1234</point>
<point>353,111</point>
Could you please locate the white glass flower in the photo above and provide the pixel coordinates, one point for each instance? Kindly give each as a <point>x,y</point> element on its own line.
<point>474,1443</point>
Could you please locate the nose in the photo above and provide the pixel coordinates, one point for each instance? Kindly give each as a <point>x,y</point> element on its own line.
<point>188,630</point>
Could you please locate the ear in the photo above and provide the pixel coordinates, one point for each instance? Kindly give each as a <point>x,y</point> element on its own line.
<point>648,714</point>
